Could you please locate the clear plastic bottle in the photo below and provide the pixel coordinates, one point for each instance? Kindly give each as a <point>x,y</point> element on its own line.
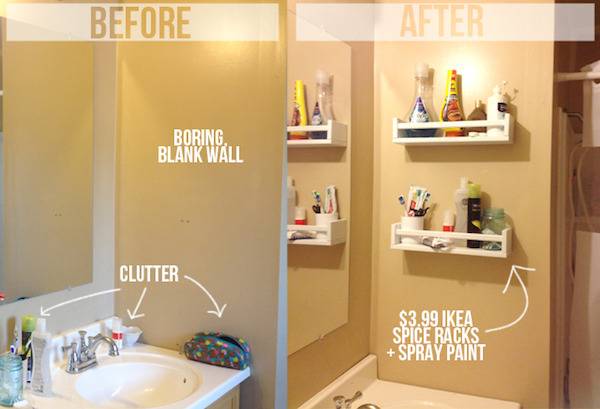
<point>323,110</point>
<point>421,109</point>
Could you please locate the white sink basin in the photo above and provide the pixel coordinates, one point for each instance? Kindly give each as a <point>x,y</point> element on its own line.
<point>141,377</point>
<point>127,382</point>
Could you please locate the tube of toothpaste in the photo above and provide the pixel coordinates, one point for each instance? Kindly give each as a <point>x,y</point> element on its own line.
<point>330,200</point>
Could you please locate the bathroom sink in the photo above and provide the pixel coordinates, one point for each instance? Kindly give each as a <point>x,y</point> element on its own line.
<point>141,377</point>
<point>139,381</point>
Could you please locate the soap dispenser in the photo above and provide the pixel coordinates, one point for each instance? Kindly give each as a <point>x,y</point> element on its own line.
<point>41,341</point>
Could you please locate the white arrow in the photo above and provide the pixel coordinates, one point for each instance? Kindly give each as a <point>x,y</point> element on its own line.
<point>44,311</point>
<point>135,315</point>
<point>219,311</point>
<point>513,271</point>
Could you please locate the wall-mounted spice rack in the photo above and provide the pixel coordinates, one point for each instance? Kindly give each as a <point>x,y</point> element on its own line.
<point>336,135</point>
<point>505,240</point>
<point>507,125</point>
<point>329,234</point>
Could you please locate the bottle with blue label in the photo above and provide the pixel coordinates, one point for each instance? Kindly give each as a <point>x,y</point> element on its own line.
<point>422,107</point>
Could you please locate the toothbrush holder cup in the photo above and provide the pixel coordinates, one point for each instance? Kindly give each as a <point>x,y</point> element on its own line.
<point>412,223</point>
<point>323,219</point>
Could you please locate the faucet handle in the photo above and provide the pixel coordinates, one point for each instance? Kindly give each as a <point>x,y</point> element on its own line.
<point>339,401</point>
<point>82,335</point>
<point>72,347</point>
<point>349,402</point>
<point>72,357</point>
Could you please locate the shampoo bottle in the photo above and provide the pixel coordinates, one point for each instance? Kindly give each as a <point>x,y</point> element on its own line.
<point>41,340</point>
<point>291,200</point>
<point>299,116</point>
<point>451,110</point>
<point>461,204</point>
<point>497,107</point>
<point>474,214</point>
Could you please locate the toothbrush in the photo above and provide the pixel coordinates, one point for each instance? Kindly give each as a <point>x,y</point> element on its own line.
<point>422,201</point>
<point>317,206</point>
<point>402,201</point>
<point>14,348</point>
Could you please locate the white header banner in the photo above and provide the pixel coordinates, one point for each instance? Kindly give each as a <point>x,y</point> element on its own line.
<point>445,22</point>
<point>142,22</point>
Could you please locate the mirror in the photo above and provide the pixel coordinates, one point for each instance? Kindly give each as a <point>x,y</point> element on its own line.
<point>319,269</point>
<point>46,167</point>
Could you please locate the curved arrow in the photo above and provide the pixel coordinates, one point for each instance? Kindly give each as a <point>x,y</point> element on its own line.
<point>134,315</point>
<point>513,272</point>
<point>219,310</point>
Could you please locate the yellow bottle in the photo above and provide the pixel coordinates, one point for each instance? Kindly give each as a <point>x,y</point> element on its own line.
<point>451,110</point>
<point>299,116</point>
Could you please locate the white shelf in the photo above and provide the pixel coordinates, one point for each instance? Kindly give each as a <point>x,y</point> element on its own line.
<point>505,239</point>
<point>577,76</point>
<point>336,135</point>
<point>507,125</point>
<point>328,235</point>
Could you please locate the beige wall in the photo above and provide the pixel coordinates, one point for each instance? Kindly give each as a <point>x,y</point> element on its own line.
<point>219,223</point>
<point>515,177</point>
<point>319,363</point>
<point>48,152</point>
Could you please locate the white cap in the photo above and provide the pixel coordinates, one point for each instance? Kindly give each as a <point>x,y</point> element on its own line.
<point>40,325</point>
<point>322,77</point>
<point>290,181</point>
<point>464,182</point>
<point>448,218</point>
<point>422,70</point>
<point>300,213</point>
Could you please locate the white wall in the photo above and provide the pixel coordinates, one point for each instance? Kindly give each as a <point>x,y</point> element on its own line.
<point>103,213</point>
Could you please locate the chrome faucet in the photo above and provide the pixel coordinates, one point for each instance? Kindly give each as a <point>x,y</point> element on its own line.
<point>342,403</point>
<point>82,356</point>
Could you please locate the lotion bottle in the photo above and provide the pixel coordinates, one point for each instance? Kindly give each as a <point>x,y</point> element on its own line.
<point>41,340</point>
<point>497,107</point>
<point>461,197</point>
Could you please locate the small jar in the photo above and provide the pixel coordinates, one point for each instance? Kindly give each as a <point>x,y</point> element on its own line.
<point>11,379</point>
<point>493,222</point>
